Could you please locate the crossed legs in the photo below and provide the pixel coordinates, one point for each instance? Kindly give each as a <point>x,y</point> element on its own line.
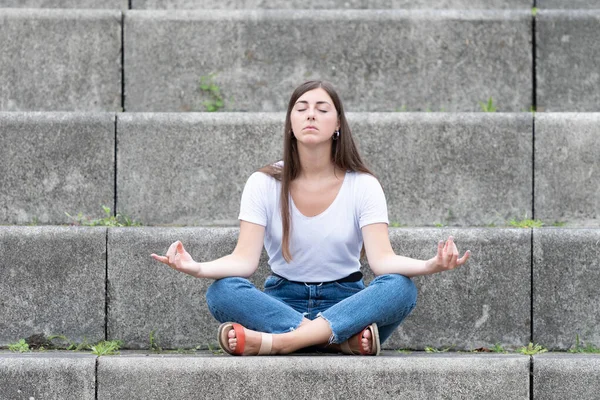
<point>387,301</point>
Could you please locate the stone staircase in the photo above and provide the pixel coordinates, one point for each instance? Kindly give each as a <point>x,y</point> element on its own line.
<point>101,104</point>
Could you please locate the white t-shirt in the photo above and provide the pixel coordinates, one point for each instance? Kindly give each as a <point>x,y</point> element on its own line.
<point>325,247</point>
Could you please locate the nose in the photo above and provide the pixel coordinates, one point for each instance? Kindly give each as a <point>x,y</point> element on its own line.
<point>311,113</point>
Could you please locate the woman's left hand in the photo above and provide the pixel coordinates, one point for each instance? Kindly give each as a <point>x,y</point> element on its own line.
<point>447,257</point>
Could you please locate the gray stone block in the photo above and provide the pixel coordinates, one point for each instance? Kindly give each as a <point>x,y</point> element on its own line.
<point>329,4</point>
<point>60,60</point>
<point>54,163</point>
<point>145,295</point>
<point>381,60</point>
<point>566,269</point>
<point>566,376</point>
<point>52,281</point>
<point>484,302</point>
<point>454,169</point>
<point>478,305</point>
<point>81,4</point>
<point>571,4</point>
<point>567,50</point>
<point>567,168</point>
<point>390,376</point>
<point>191,169</point>
<point>47,376</point>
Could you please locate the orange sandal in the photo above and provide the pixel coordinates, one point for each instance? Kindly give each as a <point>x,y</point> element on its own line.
<point>375,344</point>
<point>265,344</point>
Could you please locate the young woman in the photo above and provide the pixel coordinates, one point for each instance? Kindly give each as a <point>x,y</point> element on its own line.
<point>313,212</point>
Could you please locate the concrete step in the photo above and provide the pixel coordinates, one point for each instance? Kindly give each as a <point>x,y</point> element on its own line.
<point>573,4</point>
<point>330,4</point>
<point>101,283</point>
<point>60,60</point>
<point>381,60</point>
<point>396,59</point>
<point>80,4</point>
<point>420,376</point>
<point>567,54</point>
<point>454,169</point>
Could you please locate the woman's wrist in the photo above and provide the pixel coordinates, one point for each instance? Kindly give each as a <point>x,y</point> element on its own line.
<point>431,266</point>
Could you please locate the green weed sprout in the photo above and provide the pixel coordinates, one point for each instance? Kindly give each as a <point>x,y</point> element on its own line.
<point>106,347</point>
<point>489,107</point>
<point>21,346</point>
<point>526,223</point>
<point>154,342</point>
<point>208,86</point>
<point>588,348</point>
<point>109,220</point>
<point>532,349</point>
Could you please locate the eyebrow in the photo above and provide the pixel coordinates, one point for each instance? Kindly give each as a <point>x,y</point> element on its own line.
<point>318,102</point>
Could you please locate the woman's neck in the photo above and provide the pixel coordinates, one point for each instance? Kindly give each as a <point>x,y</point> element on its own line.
<point>316,163</point>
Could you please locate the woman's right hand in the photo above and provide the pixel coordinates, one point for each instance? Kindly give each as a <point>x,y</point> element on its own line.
<point>179,259</point>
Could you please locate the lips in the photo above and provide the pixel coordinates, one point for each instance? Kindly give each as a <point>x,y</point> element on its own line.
<point>310,127</point>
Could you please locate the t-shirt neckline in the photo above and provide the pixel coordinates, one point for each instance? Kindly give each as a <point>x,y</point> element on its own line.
<point>324,212</point>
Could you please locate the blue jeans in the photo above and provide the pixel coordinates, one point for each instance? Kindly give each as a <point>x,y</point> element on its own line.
<point>348,307</point>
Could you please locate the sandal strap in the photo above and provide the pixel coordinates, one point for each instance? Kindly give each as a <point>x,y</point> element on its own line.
<point>266,344</point>
<point>345,346</point>
<point>241,339</point>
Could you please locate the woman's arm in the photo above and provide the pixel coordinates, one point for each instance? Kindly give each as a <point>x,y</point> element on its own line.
<point>242,262</point>
<point>383,260</point>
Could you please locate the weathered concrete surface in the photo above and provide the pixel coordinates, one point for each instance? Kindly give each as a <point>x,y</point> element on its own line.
<point>145,295</point>
<point>54,163</point>
<point>329,4</point>
<point>81,4</point>
<point>190,169</point>
<point>390,376</point>
<point>480,304</point>
<point>52,281</point>
<point>462,170</point>
<point>571,4</point>
<point>454,169</point>
<point>381,60</point>
<point>566,376</point>
<point>60,60</point>
<point>484,302</point>
<point>47,376</point>
<point>568,50</point>
<point>567,168</point>
<point>566,269</point>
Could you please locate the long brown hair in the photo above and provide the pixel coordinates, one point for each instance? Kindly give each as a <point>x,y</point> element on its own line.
<point>344,155</point>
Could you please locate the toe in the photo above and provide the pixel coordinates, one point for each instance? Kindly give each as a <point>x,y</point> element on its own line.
<point>366,341</point>
<point>232,339</point>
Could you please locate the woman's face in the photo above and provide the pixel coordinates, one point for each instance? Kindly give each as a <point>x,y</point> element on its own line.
<point>314,117</point>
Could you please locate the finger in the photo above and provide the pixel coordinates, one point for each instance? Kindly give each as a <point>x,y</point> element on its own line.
<point>171,251</point>
<point>464,258</point>
<point>453,261</point>
<point>440,251</point>
<point>454,249</point>
<point>180,248</point>
<point>162,259</point>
